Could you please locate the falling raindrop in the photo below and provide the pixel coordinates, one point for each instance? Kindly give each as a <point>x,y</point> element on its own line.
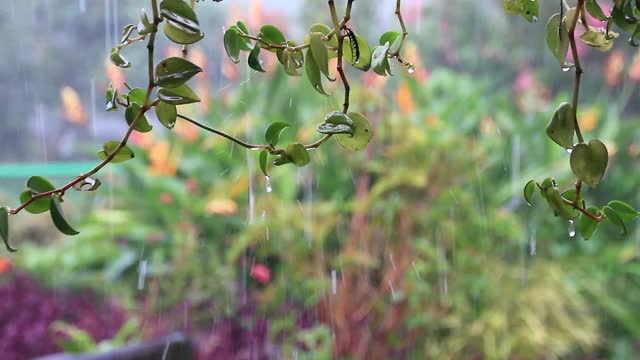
<point>393,264</point>
<point>268,184</point>
<point>415,269</point>
<point>334,282</point>
<point>532,240</point>
<point>567,67</point>
<point>569,151</point>
<point>142,273</point>
<point>572,228</point>
<point>411,69</point>
<point>393,292</point>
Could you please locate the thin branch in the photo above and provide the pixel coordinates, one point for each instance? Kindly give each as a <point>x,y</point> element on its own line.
<point>317,144</point>
<point>275,46</point>
<point>404,34</point>
<point>131,41</point>
<point>340,36</point>
<point>578,68</point>
<point>225,135</point>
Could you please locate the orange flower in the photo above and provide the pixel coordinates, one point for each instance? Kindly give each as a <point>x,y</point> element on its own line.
<point>72,106</point>
<point>163,162</point>
<point>142,140</point>
<point>222,207</point>
<point>404,99</point>
<point>589,119</point>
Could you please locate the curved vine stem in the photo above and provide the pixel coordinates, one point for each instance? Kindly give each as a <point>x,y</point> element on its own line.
<point>224,135</point>
<point>147,105</point>
<point>338,25</point>
<point>578,67</point>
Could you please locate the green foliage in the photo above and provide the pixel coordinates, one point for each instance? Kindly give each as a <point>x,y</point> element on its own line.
<point>588,160</point>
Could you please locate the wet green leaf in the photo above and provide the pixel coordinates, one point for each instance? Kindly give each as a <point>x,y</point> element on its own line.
<point>180,35</point>
<point>4,228</point>
<point>243,27</point>
<point>587,225</point>
<point>557,38</point>
<point>144,26</point>
<point>625,211</point>
<point>570,194</point>
<point>132,112</point>
<point>58,217</point>
<point>37,185</point>
<point>313,73</point>
<point>554,199</point>
<point>40,184</point>
<point>167,114</point>
<point>272,35</point>
<point>589,161</point>
<point>562,126</point>
<point>126,33</point>
<point>363,132</point>
<point>264,154</point>
<point>336,122</point>
<point>123,155</point>
<point>390,37</point>
<point>361,62</point>
<point>613,217</point>
<point>178,96</point>
<point>254,60</point>
<point>595,10</point>
<point>380,61</point>
<point>319,52</point>
<point>136,96</point>
<point>324,29</point>
<point>272,135</point>
<point>297,154</point>
<point>180,15</point>
<point>175,71</point>
<point>118,59</point>
<point>597,38</point>
<point>111,97</point>
<point>87,184</point>
<point>529,191</point>
<point>232,44</point>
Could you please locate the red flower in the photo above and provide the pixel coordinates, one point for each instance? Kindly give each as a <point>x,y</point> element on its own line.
<point>261,273</point>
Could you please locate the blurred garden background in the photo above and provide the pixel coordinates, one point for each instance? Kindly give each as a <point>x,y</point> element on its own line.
<point>418,247</point>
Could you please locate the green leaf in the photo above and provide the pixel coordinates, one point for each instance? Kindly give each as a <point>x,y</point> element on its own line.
<point>336,122</point>
<point>243,27</point>
<point>281,160</point>
<point>319,52</point>
<point>557,38</point>
<point>363,132</point>
<point>389,37</point>
<point>254,60</point>
<point>118,59</point>
<point>562,126</point>
<point>529,191</point>
<point>594,9</point>
<point>232,44</point>
<point>587,225</point>
<point>291,60</point>
<point>613,217</point>
<point>554,199</point>
<point>58,217</point>
<point>272,135</point>
<point>527,8</point>
<point>244,43</point>
<point>123,155</point>
<point>37,185</point>
<point>180,15</point>
<point>589,161</point>
<point>313,73</point>
<point>625,211</point>
<point>272,35</point>
<point>297,154</point>
<point>144,26</point>
<point>88,184</point>
<point>380,61</point>
<point>175,71</point>
<point>126,33</point>
<point>137,96</point>
<point>37,206</point>
<point>264,154</point>
<point>110,99</point>
<point>181,35</point>
<point>132,112</point>
<point>597,38</point>
<point>361,62</point>
<point>178,96</point>
<point>167,114</point>
<point>4,228</point>
<point>324,29</point>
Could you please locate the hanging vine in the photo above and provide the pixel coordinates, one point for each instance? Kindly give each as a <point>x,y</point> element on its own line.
<point>167,89</point>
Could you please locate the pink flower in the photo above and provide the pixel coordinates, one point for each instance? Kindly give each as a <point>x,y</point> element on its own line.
<point>261,273</point>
